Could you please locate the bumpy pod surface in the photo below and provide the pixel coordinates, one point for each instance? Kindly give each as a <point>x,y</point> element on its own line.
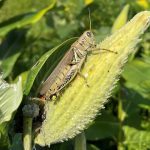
<point>79,104</point>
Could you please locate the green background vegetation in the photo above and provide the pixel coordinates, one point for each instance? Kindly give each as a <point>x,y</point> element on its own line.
<point>125,122</point>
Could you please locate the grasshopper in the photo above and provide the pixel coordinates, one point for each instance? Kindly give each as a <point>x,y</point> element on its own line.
<point>69,66</point>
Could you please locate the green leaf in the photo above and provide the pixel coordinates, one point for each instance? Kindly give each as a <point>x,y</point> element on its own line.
<point>132,103</point>
<point>10,99</point>
<point>136,139</point>
<point>79,104</point>
<point>64,146</point>
<point>92,147</point>
<point>73,5</point>
<point>4,139</point>
<point>37,67</point>
<point>23,76</point>
<point>8,64</point>
<point>105,127</point>
<point>17,142</point>
<point>27,19</point>
<point>11,49</point>
<point>22,7</point>
<point>137,76</point>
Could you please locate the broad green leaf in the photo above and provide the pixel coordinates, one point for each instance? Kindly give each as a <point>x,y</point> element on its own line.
<point>22,7</point>
<point>131,102</point>
<point>8,64</point>
<point>10,99</point>
<point>35,70</point>
<point>65,146</point>
<point>23,76</point>
<point>37,67</point>
<point>4,139</point>
<point>146,107</point>
<point>105,127</point>
<point>10,50</point>
<point>137,76</point>
<point>17,142</point>
<point>136,139</point>
<point>79,104</point>
<point>92,147</point>
<point>27,19</point>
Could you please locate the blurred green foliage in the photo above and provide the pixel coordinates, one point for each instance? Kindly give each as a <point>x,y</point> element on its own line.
<point>125,123</point>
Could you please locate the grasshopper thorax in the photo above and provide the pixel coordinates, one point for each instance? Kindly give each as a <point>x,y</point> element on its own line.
<point>85,42</point>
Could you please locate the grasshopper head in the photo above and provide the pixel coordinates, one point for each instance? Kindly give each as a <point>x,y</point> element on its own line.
<point>89,37</point>
<point>85,41</point>
<point>88,34</point>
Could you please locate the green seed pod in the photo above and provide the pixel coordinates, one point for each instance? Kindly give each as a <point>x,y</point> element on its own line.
<point>79,104</point>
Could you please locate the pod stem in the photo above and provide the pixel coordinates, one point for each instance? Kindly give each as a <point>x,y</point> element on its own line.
<point>121,117</point>
<point>80,142</point>
<point>27,133</point>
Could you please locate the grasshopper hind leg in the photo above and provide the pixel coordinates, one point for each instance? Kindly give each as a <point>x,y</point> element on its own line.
<point>84,77</point>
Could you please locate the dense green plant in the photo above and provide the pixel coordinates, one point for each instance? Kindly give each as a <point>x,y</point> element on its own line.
<point>30,32</point>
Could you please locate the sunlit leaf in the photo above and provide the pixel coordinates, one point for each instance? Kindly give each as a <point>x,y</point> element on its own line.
<point>136,139</point>
<point>10,99</point>
<point>10,50</point>
<point>4,139</point>
<point>27,19</point>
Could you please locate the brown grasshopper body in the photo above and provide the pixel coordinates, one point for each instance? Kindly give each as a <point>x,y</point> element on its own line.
<point>69,66</point>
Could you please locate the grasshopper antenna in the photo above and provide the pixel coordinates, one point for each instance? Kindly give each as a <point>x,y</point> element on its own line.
<point>91,30</point>
<point>90,18</point>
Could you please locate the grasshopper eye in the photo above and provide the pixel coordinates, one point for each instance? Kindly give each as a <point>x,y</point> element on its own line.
<point>88,34</point>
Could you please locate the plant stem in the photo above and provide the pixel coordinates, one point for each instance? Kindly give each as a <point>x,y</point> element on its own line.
<point>121,119</point>
<point>27,133</point>
<point>80,142</point>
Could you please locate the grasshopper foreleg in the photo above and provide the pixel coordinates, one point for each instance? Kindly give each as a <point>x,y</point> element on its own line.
<point>101,49</point>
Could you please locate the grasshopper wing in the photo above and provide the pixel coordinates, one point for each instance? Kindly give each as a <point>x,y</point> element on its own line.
<point>65,61</point>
